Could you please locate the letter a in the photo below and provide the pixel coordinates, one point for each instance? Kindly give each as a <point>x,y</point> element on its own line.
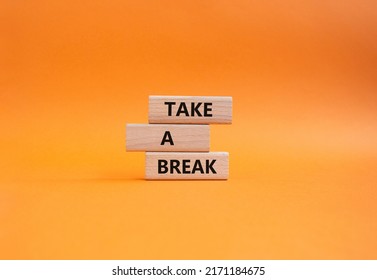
<point>167,138</point>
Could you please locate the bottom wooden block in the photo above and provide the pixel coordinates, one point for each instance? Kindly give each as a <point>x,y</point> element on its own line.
<point>186,166</point>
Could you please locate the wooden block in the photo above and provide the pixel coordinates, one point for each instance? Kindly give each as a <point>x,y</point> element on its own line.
<point>190,109</point>
<point>186,166</point>
<point>165,137</point>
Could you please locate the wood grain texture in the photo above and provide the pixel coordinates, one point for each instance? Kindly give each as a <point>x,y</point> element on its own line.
<point>219,109</point>
<point>187,166</point>
<point>149,137</point>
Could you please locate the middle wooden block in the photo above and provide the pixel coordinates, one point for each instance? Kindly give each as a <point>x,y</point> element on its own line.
<point>167,137</point>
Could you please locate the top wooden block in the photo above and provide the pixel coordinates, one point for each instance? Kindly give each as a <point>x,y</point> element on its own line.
<point>190,109</point>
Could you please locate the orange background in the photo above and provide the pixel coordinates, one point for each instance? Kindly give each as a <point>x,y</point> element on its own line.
<point>303,143</point>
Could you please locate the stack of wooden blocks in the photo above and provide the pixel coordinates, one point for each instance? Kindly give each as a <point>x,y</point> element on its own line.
<point>177,138</point>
